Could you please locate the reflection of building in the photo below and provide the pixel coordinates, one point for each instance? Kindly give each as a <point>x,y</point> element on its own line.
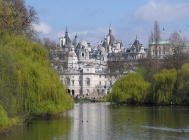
<point>86,115</point>
<point>84,68</point>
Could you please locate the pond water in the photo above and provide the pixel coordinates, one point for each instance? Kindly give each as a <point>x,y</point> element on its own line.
<point>104,121</point>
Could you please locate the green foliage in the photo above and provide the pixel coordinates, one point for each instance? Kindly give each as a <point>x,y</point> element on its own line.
<point>130,88</point>
<point>183,84</point>
<point>16,18</point>
<point>5,122</point>
<point>28,84</point>
<point>164,82</point>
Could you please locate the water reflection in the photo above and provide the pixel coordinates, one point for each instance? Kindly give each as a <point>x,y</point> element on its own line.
<point>90,121</point>
<point>41,130</point>
<point>103,121</point>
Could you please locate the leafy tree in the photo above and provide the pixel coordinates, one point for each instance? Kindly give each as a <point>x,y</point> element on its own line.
<point>130,88</point>
<point>17,18</point>
<point>182,93</point>
<point>163,86</point>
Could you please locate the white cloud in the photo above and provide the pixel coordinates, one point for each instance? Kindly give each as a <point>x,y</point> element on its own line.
<point>42,27</point>
<point>162,11</point>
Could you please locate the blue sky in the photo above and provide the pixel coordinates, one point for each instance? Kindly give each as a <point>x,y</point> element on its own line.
<point>90,19</point>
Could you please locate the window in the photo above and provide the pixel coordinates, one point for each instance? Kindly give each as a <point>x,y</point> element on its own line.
<point>99,82</point>
<point>72,82</point>
<point>79,82</point>
<point>87,81</point>
<point>100,76</point>
<point>82,54</point>
<point>67,81</point>
<point>98,91</point>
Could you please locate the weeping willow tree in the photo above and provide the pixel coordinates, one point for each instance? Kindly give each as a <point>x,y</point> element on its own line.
<point>131,88</point>
<point>182,94</point>
<point>164,82</point>
<point>28,84</point>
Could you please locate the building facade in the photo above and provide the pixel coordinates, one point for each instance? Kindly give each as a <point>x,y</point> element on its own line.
<point>83,69</point>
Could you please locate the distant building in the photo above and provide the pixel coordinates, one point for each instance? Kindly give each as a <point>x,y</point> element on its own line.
<point>163,48</point>
<point>84,68</point>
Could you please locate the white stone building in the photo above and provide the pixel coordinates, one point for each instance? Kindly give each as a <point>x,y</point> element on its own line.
<point>84,68</point>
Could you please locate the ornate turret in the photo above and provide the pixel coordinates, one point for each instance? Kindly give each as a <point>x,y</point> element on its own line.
<point>110,37</point>
<point>66,37</point>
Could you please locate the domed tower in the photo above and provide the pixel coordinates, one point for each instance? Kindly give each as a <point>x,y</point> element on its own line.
<point>103,53</point>
<point>105,44</point>
<point>110,37</point>
<point>72,58</point>
<point>83,50</point>
<point>137,45</point>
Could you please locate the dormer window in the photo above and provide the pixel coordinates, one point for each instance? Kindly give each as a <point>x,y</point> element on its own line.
<point>82,54</point>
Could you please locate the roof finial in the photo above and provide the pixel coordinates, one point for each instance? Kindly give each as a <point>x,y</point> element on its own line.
<point>136,37</point>
<point>66,29</point>
<point>110,30</point>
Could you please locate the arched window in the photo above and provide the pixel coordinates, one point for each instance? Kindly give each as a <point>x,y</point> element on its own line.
<point>82,54</point>
<point>87,81</point>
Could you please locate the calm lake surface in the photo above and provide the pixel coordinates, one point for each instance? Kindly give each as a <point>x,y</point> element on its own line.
<point>103,121</point>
